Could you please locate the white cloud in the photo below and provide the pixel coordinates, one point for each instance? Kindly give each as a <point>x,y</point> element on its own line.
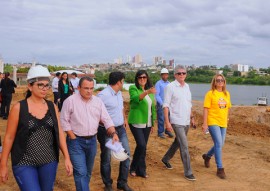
<point>191,31</point>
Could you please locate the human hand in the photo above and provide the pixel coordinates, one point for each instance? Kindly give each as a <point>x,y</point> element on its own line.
<point>152,90</point>
<point>115,138</point>
<point>168,127</point>
<point>204,127</point>
<point>69,167</point>
<point>4,173</point>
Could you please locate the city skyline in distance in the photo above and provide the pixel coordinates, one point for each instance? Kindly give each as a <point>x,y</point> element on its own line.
<point>190,32</point>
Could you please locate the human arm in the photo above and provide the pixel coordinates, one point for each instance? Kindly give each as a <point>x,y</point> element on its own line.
<point>63,145</point>
<point>157,95</point>
<point>9,138</point>
<point>205,115</point>
<point>126,125</point>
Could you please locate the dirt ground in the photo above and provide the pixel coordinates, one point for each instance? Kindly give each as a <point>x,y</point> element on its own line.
<point>246,157</point>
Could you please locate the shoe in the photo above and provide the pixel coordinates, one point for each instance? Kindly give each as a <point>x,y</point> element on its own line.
<point>221,173</point>
<point>206,160</point>
<point>167,164</point>
<point>144,176</point>
<point>190,177</point>
<point>5,117</point>
<point>169,134</point>
<point>124,187</point>
<point>162,136</point>
<point>108,187</point>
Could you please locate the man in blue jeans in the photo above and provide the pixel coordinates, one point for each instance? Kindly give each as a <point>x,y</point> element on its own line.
<point>80,116</point>
<point>160,86</point>
<point>113,100</point>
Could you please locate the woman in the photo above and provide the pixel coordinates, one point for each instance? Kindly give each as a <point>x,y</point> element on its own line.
<point>215,117</point>
<point>65,88</point>
<point>141,119</point>
<point>34,136</point>
<point>7,90</point>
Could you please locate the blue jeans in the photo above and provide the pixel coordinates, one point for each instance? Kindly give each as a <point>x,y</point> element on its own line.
<point>160,116</point>
<point>105,156</point>
<point>35,178</point>
<point>82,155</point>
<point>141,136</point>
<point>218,135</point>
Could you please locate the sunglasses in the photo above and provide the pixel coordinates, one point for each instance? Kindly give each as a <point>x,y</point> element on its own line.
<point>181,73</point>
<point>142,77</point>
<point>219,80</point>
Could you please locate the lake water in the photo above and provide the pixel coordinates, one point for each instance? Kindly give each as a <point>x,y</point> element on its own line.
<point>240,94</point>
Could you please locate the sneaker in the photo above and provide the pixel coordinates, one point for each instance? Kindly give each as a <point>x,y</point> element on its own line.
<point>190,177</point>
<point>167,164</point>
<point>162,136</point>
<point>169,134</point>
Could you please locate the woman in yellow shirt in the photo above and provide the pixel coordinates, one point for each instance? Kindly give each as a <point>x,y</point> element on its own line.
<point>215,117</point>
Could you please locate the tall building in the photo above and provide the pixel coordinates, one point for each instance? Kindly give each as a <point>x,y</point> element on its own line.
<point>1,65</point>
<point>171,62</point>
<point>137,58</point>
<point>240,67</point>
<point>157,60</point>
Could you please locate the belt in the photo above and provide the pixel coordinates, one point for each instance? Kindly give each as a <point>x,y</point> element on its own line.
<point>86,137</point>
<point>118,126</point>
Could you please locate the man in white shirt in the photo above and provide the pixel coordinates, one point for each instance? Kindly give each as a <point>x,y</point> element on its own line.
<point>75,82</point>
<point>177,100</point>
<point>55,86</point>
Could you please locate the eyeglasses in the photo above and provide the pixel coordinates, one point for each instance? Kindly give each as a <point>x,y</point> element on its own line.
<point>219,80</point>
<point>142,77</point>
<point>181,73</point>
<point>42,86</point>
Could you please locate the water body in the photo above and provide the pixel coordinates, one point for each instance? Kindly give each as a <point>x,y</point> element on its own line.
<point>240,94</point>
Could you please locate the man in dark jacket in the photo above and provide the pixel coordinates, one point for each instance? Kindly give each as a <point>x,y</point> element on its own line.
<point>7,89</point>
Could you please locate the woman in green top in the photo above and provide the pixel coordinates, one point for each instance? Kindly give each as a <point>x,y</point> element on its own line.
<point>65,89</point>
<point>141,119</point>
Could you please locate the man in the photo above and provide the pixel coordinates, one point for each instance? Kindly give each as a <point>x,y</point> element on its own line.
<point>75,82</point>
<point>55,87</point>
<point>113,100</point>
<point>160,86</point>
<point>177,100</point>
<point>80,116</point>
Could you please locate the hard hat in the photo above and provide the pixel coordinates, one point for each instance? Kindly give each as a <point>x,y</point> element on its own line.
<point>36,72</point>
<point>121,155</point>
<point>164,71</point>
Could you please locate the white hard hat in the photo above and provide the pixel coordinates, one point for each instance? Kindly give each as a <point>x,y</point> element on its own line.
<point>36,72</point>
<point>164,71</point>
<point>121,155</point>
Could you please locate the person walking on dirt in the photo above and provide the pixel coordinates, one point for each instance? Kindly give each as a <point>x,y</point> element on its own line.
<point>177,100</point>
<point>113,101</point>
<point>217,103</point>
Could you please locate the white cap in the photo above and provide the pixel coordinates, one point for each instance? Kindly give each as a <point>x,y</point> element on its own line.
<point>164,71</point>
<point>121,155</point>
<point>36,72</point>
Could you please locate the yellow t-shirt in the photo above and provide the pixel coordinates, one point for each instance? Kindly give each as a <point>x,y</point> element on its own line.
<point>218,105</point>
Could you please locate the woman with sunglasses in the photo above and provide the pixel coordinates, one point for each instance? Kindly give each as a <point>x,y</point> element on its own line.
<point>217,103</point>
<point>34,137</point>
<point>141,119</point>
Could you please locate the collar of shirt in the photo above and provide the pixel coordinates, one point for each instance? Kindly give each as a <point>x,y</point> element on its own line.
<point>112,91</point>
<point>178,84</point>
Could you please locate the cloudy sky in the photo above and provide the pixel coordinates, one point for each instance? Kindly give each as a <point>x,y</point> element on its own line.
<point>200,32</point>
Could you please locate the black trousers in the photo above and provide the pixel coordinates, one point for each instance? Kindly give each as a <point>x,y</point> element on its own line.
<point>5,106</point>
<point>138,163</point>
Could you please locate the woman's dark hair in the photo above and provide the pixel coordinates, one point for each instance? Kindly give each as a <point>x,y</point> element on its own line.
<point>62,77</point>
<point>148,83</point>
<point>28,92</point>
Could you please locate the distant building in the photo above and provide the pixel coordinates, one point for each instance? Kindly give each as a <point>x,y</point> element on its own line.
<point>137,58</point>
<point>157,60</point>
<point>240,67</point>
<point>171,63</point>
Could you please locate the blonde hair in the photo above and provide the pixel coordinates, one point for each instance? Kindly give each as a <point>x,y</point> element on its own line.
<point>213,84</point>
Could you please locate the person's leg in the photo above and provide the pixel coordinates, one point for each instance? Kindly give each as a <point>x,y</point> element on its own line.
<point>181,136</point>
<point>47,175</point>
<point>90,151</point>
<point>160,117</point>
<point>215,132</point>
<point>171,151</point>
<point>140,147</point>
<point>78,159</point>
<point>55,96</point>
<point>105,156</point>
<point>124,165</point>
<point>3,105</point>
<point>26,178</point>
<point>9,98</point>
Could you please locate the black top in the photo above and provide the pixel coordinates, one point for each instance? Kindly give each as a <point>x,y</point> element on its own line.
<point>23,133</point>
<point>7,86</point>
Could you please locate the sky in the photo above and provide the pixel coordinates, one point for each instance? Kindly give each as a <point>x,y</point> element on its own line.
<point>199,32</point>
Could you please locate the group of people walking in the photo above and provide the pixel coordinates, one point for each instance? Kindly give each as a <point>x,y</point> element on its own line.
<point>87,118</point>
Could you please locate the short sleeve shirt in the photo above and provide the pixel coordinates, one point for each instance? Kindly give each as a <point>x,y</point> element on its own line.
<point>218,105</point>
